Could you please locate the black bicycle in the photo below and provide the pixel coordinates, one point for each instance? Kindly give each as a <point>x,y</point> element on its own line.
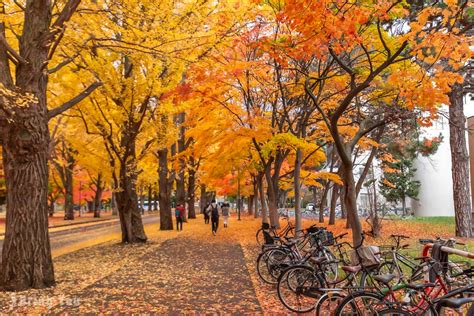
<point>287,231</point>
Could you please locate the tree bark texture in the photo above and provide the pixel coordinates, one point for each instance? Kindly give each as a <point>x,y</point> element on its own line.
<point>66,174</point>
<point>322,204</point>
<point>263,203</point>
<point>98,196</point>
<point>350,203</point>
<point>297,188</point>
<point>191,196</point>
<point>255,200</point>
<point>68,194</point>
<point>202,198</point>
<point>460,163</point>
<point>250,204</point>
<point>272,199</point>
<point>332,211</point>
<point>166,221</point>
<point>180,179</point>
<point>127,198</point>
<point>26,253</point>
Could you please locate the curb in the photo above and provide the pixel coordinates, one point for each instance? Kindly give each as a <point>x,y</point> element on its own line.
<point>101,224</point>
<point>78,228</point>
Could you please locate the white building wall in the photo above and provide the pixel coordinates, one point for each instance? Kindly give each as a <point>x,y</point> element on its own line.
<point>434,173</point>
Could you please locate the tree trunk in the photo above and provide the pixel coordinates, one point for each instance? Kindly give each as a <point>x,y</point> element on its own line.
<point>98,196</point>
<point>350,203</point>
<point>191,188</point>
<point>202,198</point>
<point>332,211</point>
<point>272,199</point>
<point>297,188</point>
<point>255,194</point>
<point>323,203</point>
<point>250,204</point>
<point>261,192</point>
<point>113,202</point>
<point>180,179</point>
<point>142,203</point>
<point>69,193</point>
<point>341,202</point>
<point>98,202</point>
<point>166,221</point>
<point>127,199</point>
<point>460,163</point>
<point>26,253</point>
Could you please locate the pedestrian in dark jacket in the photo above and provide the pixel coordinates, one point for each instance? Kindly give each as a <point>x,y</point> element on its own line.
<point>207,212</point>
<point>214,212</point>
<point>179,213</point>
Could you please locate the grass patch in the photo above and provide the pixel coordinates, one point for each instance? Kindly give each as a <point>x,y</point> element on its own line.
<point>436,220</point>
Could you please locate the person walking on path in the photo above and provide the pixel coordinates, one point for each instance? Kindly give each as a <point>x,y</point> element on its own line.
<point>225,213</point>
<point>207,212</point>
<point>179,213</point>
<point>214,216</point>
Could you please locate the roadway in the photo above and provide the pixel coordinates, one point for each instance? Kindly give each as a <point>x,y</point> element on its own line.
<point>78,237</point>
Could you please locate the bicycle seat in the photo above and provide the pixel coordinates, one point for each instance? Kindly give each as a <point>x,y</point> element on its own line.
<point>351,269</point>
<point>384,278</point>
<point>290,242</point>
<point>455,302</point>
<point>419,286</point>
<point>318,260</point>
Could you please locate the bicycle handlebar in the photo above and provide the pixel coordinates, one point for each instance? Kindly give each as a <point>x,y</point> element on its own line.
<point>341,235</point>
<point>399,236</point>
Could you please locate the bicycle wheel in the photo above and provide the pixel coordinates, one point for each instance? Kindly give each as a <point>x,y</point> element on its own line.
<point>466,309</point>
<point>272,263</point>
<point>360,303</point>
<point>262,268</point>
<point>298,288</point>
<point>366,279</point>
<point>331,267</point>
<point>328,302</point>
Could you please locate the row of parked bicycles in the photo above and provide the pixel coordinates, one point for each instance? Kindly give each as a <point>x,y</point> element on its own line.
<point>316,272</point>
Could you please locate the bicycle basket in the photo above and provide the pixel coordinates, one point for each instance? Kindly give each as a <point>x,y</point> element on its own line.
<point>369,255</point>
<point>328,238</point>
<point>386,252</point>
<point>318,235</point>
<point>313,229</point>
<point>265,226</point>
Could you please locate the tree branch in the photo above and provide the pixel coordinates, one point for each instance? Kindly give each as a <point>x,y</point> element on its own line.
<point>81,96</point>
<point>12,51</point>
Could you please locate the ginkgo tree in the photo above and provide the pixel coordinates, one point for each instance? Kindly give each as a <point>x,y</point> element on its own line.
<point>30,33</point>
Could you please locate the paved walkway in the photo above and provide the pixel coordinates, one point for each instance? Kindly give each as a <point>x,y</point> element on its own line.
<point>180,276</point>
